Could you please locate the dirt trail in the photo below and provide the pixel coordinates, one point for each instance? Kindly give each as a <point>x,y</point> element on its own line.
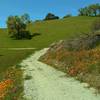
<point>48,83</point>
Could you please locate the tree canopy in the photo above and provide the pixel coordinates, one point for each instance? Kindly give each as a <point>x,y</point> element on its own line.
<point>17,27</point>
<point>91,10</point>
<point>51,16</point>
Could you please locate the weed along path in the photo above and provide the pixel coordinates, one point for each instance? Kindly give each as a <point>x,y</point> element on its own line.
<point>46,83</point>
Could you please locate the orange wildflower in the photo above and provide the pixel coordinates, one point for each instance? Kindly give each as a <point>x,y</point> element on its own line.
<point>4,86</point>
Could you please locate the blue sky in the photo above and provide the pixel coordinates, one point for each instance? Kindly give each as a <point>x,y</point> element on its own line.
<point>37,9</point>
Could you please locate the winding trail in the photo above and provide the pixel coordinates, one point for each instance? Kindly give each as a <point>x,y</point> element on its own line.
<point>48,83</point>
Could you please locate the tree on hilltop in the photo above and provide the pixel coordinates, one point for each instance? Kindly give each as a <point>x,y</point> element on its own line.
<point>51,16</point>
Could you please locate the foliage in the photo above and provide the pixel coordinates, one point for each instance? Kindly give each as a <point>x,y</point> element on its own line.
<point>26,18</point>
<point>4,87</point>
<point>11,84</point>
<point>17,27</point>
<point>81,64</point>
<point>78,57</point>
<point>57,29</point>
<point>91,10</point>
<point>51,16</point>
<point>68,15</point>
<point>96,25</point>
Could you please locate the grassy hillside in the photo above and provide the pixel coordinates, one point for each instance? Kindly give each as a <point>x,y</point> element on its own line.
<point>78,57</point>
<point>49,31</point>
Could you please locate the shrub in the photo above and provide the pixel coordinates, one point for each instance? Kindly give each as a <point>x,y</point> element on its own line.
<point>51,16</point>
<point>96,25</point>
<point>17,27</point>
<point>68,15</point>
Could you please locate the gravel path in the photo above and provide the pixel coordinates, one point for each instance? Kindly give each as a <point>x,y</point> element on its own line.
<point>47,83</point>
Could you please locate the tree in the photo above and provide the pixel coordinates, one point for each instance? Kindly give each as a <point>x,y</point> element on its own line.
<point>17,27</point>
<point>91,10</point>
<point>51,16</point>
<point>96,25</point>
<point>25,18</point>
<point>98,9</point>
<point>84,11</point>
<point>68,15</point>
<point>81,12</point>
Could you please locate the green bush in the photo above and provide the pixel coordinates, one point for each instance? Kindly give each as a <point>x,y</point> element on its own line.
<point>68,15</point>
<point>51,16</point>
<point>17,27</point>
<point>96,25</point>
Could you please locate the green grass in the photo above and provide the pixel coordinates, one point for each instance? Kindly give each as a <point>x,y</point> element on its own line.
<point>50,31</point>
<point>9,58</point>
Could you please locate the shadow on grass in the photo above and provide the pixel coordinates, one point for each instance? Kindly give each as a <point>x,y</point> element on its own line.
<point>25,36</point>
<point>35,34</point>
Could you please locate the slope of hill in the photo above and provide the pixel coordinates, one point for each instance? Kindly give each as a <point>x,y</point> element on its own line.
<point>46,32</point>
<point>49,31</point>
<point>78,57</point>
<point>47,83</point>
